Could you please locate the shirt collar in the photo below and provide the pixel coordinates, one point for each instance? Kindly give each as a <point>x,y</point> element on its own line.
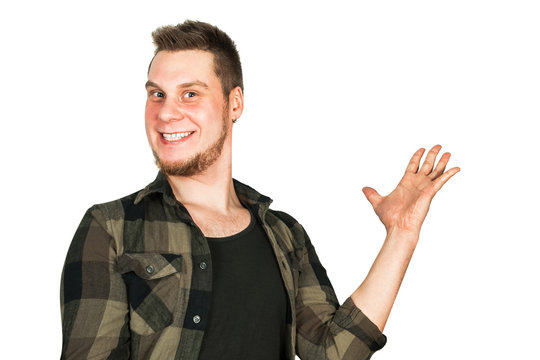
<point>247,195</point>
<point>160,185</point>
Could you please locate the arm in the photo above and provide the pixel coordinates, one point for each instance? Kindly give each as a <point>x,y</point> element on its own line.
<point>324,329</point>
<point>402,212</point>
<point>93,295</point>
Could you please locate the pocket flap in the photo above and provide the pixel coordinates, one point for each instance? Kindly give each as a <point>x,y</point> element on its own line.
<point>150,266</point>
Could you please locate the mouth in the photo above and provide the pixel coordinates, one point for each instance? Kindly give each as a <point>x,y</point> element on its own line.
<point>176,136</point>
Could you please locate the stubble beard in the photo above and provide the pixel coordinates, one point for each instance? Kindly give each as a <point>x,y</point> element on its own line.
<point>199,162</point>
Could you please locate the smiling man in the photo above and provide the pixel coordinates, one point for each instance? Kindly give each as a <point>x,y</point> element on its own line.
<point>183,149</point>
<point>196,265</point>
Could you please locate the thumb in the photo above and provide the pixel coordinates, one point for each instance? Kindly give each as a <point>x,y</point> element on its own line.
<point>372,195</point>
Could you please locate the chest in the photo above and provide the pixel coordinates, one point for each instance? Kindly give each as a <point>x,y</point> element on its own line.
<point>247,293</point>
<point>169,278</point>
<point>213,224</point>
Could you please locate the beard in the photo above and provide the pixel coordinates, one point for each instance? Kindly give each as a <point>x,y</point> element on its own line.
<point>199,162</point>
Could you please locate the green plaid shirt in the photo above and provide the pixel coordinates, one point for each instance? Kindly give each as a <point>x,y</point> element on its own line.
<point>137,283</point>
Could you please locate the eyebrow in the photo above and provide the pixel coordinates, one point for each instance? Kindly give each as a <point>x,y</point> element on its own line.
<point>179,86</point>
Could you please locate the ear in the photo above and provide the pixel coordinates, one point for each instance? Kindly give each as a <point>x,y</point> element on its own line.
<point>236,103</point>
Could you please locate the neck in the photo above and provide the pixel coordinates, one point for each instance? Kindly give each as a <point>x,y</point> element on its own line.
<point>213,189</point>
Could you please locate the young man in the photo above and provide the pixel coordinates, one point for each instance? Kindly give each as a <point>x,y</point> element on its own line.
<point>196,265</point>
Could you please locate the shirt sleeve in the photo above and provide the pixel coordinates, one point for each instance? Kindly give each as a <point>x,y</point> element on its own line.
<point>326,330</point>
<point>93,295</point>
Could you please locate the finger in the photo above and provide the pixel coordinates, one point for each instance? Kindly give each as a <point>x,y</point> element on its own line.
<point>427,167</point>
<point>438,184</point>
<point>441,165</point>
<point>415,161</point>
<point>372,195</point>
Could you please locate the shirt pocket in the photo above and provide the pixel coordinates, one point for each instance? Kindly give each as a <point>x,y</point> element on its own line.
<point>153,282</point>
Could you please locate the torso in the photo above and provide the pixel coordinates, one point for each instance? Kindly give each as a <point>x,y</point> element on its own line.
<point>247,317</point>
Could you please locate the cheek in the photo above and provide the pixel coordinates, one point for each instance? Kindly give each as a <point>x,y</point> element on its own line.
<point>149,119</point>
<point>148,110</point>
<point>208,115</point>
<point>151,113</point>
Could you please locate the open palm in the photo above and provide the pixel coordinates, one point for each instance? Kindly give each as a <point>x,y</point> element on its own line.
<point>406,207</point>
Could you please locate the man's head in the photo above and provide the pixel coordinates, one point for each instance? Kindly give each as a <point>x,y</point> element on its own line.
<point>196,35</point>
<point>193,97</point>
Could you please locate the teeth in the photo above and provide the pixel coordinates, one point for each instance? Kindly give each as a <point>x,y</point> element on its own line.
<point>176,136</point>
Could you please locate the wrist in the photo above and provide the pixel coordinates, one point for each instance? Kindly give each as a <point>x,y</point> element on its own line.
<point>402,236</point>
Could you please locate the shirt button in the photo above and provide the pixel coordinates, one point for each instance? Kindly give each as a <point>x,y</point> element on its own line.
<point>196,319</point>
<point>150,269</point>
<point>203,265</point>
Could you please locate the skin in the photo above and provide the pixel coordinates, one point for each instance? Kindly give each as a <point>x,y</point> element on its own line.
<point>184,94</point>
<point>402,212</point>
<point>182,97</point>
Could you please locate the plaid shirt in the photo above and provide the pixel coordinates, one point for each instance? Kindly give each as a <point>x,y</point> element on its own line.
<point>137,283</point>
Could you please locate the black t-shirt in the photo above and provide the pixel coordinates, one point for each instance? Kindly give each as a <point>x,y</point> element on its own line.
<point>247,318</point>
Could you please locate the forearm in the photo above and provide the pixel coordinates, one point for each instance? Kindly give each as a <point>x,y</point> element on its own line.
<point>324,328</point>
<point>377,293</point>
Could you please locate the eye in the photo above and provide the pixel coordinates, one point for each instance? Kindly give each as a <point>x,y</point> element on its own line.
<point>189,95</point>
<point>157,94</point>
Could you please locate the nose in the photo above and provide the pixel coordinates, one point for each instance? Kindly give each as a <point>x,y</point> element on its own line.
<point>170,111</point>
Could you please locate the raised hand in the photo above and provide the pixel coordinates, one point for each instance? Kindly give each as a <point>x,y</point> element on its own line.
<point>405,208</point>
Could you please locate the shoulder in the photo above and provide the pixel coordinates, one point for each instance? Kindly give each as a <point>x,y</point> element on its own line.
<point>134,206</point>
<point>112,215</point>
<point>284,217</point>
<point>118,208</point>
<point>288,227</point>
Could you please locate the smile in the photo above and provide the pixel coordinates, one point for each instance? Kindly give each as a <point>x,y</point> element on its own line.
<point>176,136</point>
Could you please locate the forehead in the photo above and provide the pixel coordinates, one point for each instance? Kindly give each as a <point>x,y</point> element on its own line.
<point>182,66</point>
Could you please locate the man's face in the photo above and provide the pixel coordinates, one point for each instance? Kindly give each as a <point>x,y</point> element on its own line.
<point>186,114</point>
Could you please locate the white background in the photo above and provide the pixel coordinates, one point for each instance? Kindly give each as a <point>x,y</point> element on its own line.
<point>338,96</point>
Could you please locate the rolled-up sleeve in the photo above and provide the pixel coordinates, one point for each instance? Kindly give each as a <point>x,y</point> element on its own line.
<point>93,295</point>
<point>325,329</point>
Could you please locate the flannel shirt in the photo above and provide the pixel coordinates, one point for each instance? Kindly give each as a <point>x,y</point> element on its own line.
<point>137,283</point>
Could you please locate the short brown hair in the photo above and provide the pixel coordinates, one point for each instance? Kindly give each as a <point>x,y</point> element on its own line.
<point>197,35</point>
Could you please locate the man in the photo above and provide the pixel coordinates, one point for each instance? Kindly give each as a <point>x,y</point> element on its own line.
<point>196,265</point>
